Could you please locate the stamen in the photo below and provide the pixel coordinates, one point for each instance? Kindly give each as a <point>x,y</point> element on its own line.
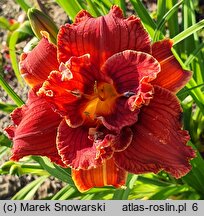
<point>76,93</point>
<point>95,87</point>
<point>128,94</point>
<point>96,91</point>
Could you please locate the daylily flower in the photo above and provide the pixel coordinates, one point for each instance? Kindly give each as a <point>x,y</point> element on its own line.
<point>103,102</point>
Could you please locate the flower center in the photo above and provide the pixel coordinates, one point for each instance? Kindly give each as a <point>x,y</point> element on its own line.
<point>102,102</point>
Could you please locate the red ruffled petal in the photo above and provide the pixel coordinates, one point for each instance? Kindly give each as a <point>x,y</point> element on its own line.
<point>57,92</point>
<point>158,141</point>
<point>78,151</point>
<point>172,76</point>
<point>130,72</point>
<point>35,129</point>
<point>96,35</point>
<point>107,174</point>
<point>36,65</point>
<point>128,68</point>
<point>119,141</point>
<point>70,89</point>
<point>123,139</point>
<point>142,97</point>
<point>119,116</point>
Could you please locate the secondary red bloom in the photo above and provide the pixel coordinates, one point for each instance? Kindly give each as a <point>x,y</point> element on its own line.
<point>107,105</point>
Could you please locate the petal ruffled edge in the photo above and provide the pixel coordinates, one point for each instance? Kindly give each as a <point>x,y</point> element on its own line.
<point>70,89</point>
<point>120,115</point>
<point>158,143</point>
<point>79,150</point>
<point>95,35</point>
<point>128,68</point>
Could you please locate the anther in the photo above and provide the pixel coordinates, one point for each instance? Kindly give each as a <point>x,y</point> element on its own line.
<point>128,94</point>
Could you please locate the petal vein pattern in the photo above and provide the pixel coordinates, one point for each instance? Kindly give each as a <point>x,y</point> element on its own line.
<point>106,35</point>
<point>34,130</point>
<point>35,66</point>
<point>158,143</point>
<point>102,95</point>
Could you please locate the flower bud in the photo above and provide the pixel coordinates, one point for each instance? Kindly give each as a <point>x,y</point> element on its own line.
<point>42,23</point>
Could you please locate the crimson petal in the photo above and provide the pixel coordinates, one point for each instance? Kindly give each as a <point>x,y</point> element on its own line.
<point>66,90</point>
<point>129,71</point>
<point>128,68</point>
<point>120,115</point>
<point>36,65</point>
<point>172,76</point>
<point>98,35</point>
<point>78,151</point>
<point>158,141</point>
<point>34,130</point>
<point>123,139</point>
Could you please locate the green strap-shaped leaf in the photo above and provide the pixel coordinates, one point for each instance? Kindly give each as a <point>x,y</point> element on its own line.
<point>20,34</point>
<point>6,107</point>
<point>18,101</point>
<point>29,190</point>
<point>3,151</point>
<point>194,54</point>
<point>192,42</point>
<point>23,4</point>
<point>167,16</point>
<point>145,17</point>
<point>195,177</point>
<point>169,191</point>
<point>161,9</point>
<point>12,51</point>
<point>92,8</point>
<point>65,193</point>
<point>71,7</point>
<point>4,23</point>
<point>173,22</point>
<point>154,181</point>
<point>103,5</point>
<point>189,31</point>
<point>122,194</point>
<point>196,93</point>
<point>54,170</point>
<point>5,141</point>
